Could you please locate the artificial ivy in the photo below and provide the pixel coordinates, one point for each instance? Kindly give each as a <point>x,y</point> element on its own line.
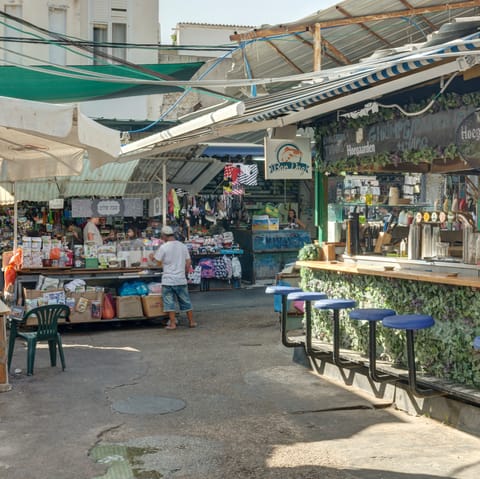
<point>443,351</point>
<point>443,102</point>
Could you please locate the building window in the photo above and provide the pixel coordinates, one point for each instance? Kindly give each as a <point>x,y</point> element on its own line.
<point>100,37</point>
<point>57,23</point>
<point>119,35</point>
<point>14,33</point>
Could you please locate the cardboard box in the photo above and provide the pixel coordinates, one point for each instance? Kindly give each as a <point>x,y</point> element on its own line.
<point>152,306</point>
<point>129,307</point>
<point>85,298</point>
<point>35,294</point>
<point>273,224</point>
<point>260,223</point>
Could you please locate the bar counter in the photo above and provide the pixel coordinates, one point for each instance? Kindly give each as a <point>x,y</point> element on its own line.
<point>451,297</point>
<point>451,278</point>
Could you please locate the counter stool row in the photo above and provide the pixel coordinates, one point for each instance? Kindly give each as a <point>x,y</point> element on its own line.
<point>388,317</point>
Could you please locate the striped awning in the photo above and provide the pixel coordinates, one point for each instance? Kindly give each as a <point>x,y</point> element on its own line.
<point>339,88</point>
<point>370,74</point>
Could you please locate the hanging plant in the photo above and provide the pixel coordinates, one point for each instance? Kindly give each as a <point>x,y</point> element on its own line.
<point>446,101</point>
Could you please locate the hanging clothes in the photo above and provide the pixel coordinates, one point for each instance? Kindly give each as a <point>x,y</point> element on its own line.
<point>248,175</point>
<point>175,204</point>
<point>231,172</point>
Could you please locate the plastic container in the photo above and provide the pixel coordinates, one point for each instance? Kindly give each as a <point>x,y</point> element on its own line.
<point>442,250</point>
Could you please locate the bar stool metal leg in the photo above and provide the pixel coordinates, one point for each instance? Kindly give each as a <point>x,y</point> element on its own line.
<point>284,291</point>
<point>372,315</point>
<point>410,323</point>
<point>372,356</point>
<point>336,305</point>
<point>308,297</point>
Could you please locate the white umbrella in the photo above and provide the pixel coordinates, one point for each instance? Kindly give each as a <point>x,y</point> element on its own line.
<point>43,140</point>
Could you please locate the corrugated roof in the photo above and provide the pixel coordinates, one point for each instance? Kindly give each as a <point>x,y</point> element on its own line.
<point>185,168</point>
<point>349,86</point>
<point>203,24</point>
<point>289,47</point>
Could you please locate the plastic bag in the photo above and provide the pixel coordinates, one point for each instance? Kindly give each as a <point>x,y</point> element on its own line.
<point>17,259</point>
<point>154,288</point>
<point>9,277</point>
<point>55,253</point>
<point>127,289</point>
<point>134,288</point>
<point>236,268</point>
<point>108,309</point>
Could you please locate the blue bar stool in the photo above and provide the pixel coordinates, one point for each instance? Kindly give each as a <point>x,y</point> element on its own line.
<point>372,315</point>
<point>336,305</point>
<point>308,297</point>
<point>411,323</point>
<point>283,291</point>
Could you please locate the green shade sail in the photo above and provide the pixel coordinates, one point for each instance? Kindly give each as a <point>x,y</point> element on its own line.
<point>42,85</point>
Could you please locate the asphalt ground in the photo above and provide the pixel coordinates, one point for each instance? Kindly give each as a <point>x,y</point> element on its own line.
<point>223,400</point>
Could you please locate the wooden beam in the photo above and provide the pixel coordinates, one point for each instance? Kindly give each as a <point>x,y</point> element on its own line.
<point>305,27</point>
<point>317,48</point>
<point>402,167</point>
<point>362,25</point>
<point>424,18</point>
<point>284,57</point>
<point>338,57</point>
<point>336,52</point>
<point>449,166</point>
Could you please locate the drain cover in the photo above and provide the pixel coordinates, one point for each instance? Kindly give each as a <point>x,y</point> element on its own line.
<point>148,405</point>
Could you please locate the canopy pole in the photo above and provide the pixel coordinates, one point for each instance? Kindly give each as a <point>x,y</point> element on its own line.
<point>164,193</point>
<point>15,218</point>
<point>317,48</point>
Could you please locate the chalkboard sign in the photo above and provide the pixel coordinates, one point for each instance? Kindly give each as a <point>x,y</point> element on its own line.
<point>430,130</point>
<point>468,139</point>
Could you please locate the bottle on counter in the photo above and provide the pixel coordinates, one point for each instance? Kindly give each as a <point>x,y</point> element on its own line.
<point>369,195</point>
<point>368,237</point>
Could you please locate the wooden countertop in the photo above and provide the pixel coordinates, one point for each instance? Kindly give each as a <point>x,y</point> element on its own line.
<point>59,271</point>
<point>441,278</point>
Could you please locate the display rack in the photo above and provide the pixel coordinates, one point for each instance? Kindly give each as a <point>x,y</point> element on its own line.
<point>113,278</point>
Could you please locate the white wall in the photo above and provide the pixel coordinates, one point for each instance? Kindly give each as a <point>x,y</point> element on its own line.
<point>141,18</point>
<point>205,34</point>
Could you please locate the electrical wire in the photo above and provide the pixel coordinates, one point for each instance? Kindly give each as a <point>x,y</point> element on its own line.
<point>425,109</point>
<point>180,99</point>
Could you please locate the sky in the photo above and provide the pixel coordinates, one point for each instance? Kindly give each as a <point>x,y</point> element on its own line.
<point>244,12</point>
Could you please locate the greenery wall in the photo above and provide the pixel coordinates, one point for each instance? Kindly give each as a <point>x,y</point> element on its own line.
<point>444,351</point>
<point>442,102</point>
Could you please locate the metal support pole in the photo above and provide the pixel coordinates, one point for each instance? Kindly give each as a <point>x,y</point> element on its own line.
<point>164,194</point>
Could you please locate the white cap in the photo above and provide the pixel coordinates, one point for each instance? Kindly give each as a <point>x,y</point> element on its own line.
<point>167,231</point>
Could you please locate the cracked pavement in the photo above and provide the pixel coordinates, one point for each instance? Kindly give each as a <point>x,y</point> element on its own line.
<point>250,412</point>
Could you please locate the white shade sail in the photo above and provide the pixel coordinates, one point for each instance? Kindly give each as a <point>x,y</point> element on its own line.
<point>42,140</point>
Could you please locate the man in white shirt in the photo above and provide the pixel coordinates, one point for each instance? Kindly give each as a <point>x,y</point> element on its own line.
<point>91,233</point>
<point>175,260</point>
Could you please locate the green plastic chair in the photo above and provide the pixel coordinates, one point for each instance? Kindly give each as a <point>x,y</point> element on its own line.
<point>47,330</point>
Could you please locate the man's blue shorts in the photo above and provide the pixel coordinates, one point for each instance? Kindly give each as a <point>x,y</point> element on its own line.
<point>173,294</point>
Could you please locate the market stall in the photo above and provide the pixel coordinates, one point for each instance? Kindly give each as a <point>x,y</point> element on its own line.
<point>93,294</point>
<point>398,189</point>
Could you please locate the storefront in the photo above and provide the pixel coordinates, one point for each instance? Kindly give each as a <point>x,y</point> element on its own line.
<point>401,197</point>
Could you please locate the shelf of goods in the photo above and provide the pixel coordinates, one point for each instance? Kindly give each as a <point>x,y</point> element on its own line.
<point>86,306</point>
<point>215,270</point>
